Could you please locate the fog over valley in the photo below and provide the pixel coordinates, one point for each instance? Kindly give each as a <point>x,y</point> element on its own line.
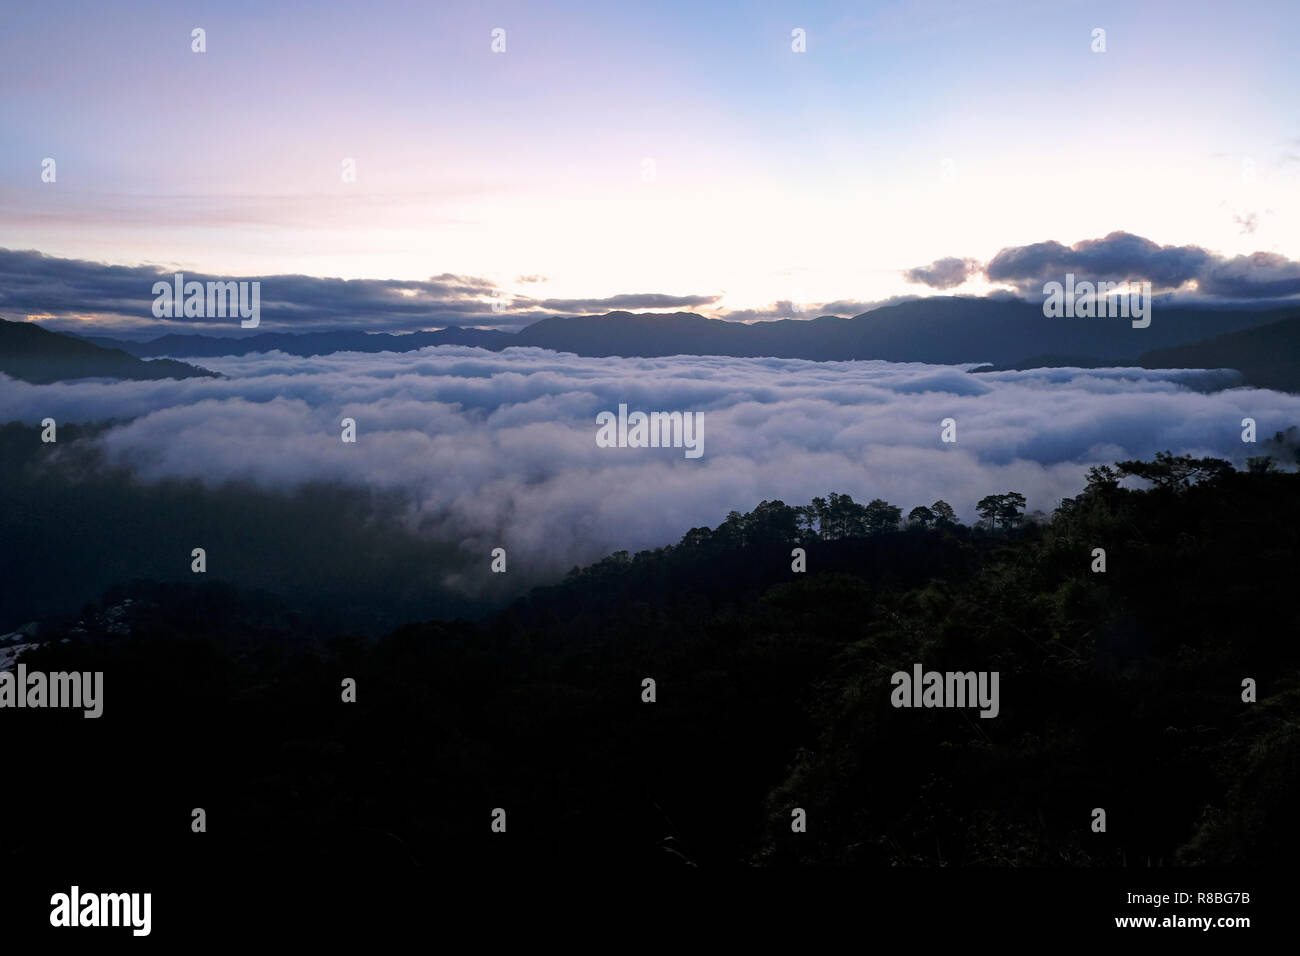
<point>476,450</point>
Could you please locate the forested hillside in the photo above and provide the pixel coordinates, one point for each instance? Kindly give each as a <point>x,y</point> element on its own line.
<point>1121,689</point>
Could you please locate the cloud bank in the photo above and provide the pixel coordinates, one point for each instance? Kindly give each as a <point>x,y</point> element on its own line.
<point>118,300</point>
<point>1122,256</point>
<point>121,298</point>
<point>499,450</point>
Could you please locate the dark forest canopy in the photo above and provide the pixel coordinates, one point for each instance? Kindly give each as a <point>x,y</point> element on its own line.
<point>1120,690</point>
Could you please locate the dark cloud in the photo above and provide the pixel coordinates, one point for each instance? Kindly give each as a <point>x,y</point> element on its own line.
<point>32,283</point>
<point>944,273</point>
<point>1122,256</point>
<point>1262,275</point>
<point>1118,257</point>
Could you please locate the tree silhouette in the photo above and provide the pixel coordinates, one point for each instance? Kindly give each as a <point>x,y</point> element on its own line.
<point>881,516</point>
<point>921,516</point>
<point>1012,508</point>
<point>1102,478</point>
<point>1176,473</point>
<point>988,508</point>
<point>1007,508</point>
<point>943,513</point>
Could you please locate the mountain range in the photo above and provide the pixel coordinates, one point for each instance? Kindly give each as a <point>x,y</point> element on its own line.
<point>301,343</point>
<point>995,332</point>
<point>940,330</point>
<point>1268,356</point>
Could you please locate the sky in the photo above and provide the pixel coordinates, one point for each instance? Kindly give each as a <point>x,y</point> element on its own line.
<point>674,149</point>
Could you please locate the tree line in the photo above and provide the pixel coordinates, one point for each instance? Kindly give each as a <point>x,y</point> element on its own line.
<point>837,516</point>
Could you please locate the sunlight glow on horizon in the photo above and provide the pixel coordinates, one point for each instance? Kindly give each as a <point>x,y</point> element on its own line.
<point>775,176</point>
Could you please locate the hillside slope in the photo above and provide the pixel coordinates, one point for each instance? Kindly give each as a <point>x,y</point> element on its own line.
<point>1267,356</point>
<point>37,355</point>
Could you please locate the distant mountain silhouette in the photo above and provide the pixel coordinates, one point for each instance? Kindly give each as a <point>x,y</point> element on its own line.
<point>1268,356</point>
<point>303,343</point>
<point>944,330</point>
<point>1051,361</point>
<point>37,355</point>
<point>940,329</point>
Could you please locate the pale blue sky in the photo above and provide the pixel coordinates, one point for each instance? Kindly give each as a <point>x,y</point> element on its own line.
<point>906,132</point>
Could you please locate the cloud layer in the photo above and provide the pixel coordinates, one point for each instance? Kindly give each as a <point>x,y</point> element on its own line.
<point>499,450</point>
<point>32,283</point>
<point>944,273</point>
<point>1119,257</point>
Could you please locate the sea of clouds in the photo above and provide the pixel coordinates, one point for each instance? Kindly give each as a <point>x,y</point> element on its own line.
<point>498,449</point>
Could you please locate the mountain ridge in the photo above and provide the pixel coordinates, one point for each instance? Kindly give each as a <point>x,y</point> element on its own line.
<point>938,329</point>
<point>41,356</point>
<point>1268,356</point>
<point>304,344</point>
